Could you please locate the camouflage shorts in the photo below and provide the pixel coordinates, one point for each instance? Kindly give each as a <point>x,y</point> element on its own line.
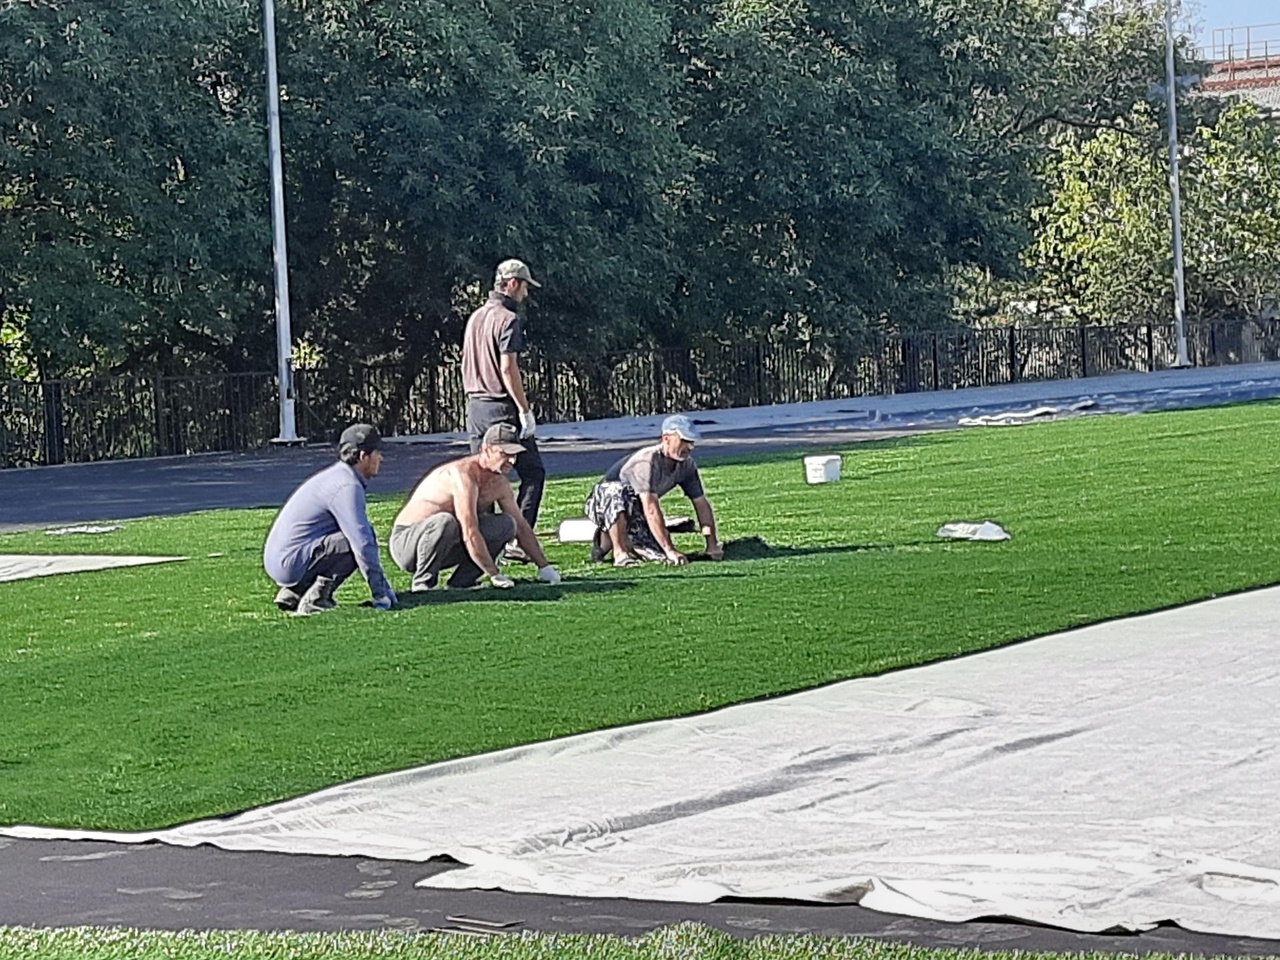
<point>610,498</point>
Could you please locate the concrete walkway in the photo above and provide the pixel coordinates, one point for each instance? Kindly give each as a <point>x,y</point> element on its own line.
<point>1115,393</point>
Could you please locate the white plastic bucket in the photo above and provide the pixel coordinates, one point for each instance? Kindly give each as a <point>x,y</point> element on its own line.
<point>824,469</point>
<point>577,530</point>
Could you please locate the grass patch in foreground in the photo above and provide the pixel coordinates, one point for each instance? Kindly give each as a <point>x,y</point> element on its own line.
<point>141,697</point>
<point>685,941</point>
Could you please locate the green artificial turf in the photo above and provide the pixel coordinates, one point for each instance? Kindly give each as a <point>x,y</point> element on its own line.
<point>682,942</point>
<point>141,697</point>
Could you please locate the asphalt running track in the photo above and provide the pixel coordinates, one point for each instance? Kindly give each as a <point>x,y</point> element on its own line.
<point>83,883</point>
<point>38,497</point>
<point>57,883</point>
<point>41,497</point>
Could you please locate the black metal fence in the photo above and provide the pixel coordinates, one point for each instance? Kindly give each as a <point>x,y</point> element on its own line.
<point>67,421</point>
<point>105,418</point>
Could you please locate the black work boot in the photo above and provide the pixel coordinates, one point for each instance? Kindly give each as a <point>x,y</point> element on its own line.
<point>319,598</point>
<point>601,545</point>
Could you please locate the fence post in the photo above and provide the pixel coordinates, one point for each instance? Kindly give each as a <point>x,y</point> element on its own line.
<point>1151,349</point>
<point>432,364</point>
<point>760,391</point>
<point>1013,354</point>
<point>935,363</point>
<point>549,389</point>
<point>658,373</point>
<point>5,404</point>
<point>1084,351</point>
<point>157,422</point>
<point>55,447</point>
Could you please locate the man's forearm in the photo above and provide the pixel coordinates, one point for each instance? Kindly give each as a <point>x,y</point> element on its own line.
<point>529,541</point>
<point>658,526</point>
<point>706,520</point>
<point>513,381</point>
<point>353,521</point>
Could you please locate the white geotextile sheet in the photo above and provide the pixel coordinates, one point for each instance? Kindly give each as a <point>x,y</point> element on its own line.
<point>1110,777</point>
<point>23,566</point>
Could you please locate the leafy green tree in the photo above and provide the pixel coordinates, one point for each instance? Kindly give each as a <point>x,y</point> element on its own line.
<point>1103,252</point>
<point>673,171</point>
<point>132,234</point>
<point>1234,233</point>
<point>854,156</point>
<point>428,141</point>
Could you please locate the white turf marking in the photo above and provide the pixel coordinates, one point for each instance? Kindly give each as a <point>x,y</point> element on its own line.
<point>22,566</point>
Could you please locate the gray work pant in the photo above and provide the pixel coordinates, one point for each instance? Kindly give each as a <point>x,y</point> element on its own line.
<point>434,544</point>
<point>332,558</point>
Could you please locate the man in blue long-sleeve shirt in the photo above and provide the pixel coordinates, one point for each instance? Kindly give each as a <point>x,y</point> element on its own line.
<point>322,533</point>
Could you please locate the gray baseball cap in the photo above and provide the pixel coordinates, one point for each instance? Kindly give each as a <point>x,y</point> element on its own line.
<point>682,427</point>
<point>515,270</point>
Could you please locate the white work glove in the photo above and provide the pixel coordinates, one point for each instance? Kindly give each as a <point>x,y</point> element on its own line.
<point>502,581</point>
<point>528,425</point>
<point>385,602</point>
<point>549,574</point>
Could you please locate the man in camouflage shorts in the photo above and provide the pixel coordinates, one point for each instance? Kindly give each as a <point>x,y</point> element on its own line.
<point>624,505</point>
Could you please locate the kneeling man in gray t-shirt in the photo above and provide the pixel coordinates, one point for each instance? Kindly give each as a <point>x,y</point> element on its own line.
<point>624,505</point>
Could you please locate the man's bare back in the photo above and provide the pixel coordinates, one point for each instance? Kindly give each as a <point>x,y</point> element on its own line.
<point>451,483</point>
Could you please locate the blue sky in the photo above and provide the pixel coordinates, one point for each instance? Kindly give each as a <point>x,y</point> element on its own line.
<point>1209,15</point>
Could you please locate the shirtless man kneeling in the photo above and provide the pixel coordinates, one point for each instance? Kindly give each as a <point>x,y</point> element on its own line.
<point>447,521</point>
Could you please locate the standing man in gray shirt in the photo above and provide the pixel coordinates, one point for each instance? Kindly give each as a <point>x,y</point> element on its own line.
<point>491,348</point>
<point>322,533</point>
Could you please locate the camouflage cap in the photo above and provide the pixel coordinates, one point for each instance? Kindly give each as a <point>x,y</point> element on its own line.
<point>505,437</point>
<point>362,436</point>
<point>515,270</point>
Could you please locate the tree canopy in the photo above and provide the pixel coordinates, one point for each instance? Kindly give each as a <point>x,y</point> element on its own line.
<point>131,220</point>
<point>1104,249</point>
<point>673,171</point>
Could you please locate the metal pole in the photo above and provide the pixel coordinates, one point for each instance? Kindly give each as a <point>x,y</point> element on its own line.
<point>284,338</point>
<point>1175,200</point>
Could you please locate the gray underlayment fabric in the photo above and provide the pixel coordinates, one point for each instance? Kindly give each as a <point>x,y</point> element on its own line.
<point>1109,777</point>
<point>23,566</point>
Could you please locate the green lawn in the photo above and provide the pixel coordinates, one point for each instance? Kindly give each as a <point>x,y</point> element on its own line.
<point>137,698</point>
<point>142,697</point>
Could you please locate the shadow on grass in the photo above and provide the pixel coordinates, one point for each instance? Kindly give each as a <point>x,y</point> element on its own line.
<point>523,591</point>
<point>757,548</point>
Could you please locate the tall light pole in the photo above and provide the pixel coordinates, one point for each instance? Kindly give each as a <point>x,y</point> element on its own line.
<point>1175,200</point>
<point>284,337</point>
